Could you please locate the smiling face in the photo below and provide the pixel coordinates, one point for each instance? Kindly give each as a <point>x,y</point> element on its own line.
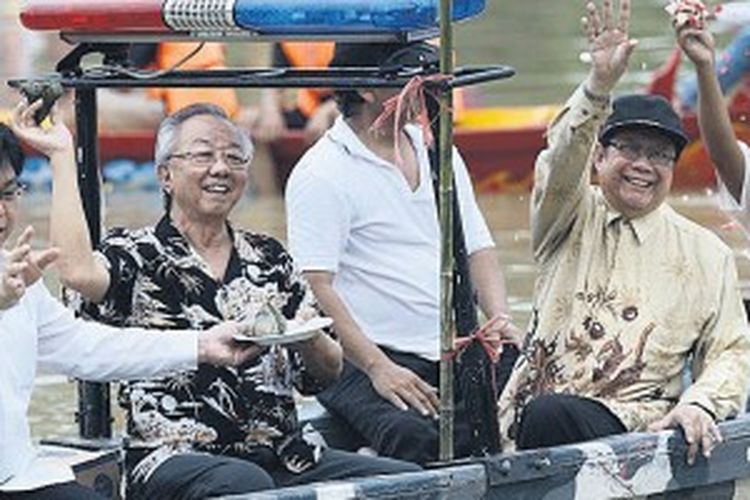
<point>8,203</point>
<point>635,169</point>
<point>201,187</point>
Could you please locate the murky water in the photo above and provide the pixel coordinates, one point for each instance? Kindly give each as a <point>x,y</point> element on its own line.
<point>540,38</point>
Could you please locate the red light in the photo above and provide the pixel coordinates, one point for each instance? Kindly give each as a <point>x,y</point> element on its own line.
<point>93,15</point>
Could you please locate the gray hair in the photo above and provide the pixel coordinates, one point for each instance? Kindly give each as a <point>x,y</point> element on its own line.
<point>166,137</point>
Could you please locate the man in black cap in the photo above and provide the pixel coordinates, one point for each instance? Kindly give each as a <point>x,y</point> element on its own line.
<point>363,227</point>
<point>628,289</point>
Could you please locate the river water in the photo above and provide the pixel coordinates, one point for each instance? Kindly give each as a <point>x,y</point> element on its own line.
<point>540,38</point>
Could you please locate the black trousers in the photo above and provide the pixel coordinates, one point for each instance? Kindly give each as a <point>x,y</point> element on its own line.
<point>201,475</point>
<point>392,432</point>
<point>62,491</point>
<point>556,419</point>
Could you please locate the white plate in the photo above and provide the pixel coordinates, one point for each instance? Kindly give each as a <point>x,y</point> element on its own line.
<point>295,332</point>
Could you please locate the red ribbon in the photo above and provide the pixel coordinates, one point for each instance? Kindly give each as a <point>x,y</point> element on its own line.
<point>492,348</point>
<point>409,105</point>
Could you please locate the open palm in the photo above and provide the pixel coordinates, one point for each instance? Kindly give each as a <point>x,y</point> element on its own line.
<point>609,43</point>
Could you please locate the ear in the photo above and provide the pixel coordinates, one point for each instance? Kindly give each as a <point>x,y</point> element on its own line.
<point>598,156</point>
<point>165,177</point>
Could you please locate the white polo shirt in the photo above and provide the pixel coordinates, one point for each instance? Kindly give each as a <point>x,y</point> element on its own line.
<point>352,213</point>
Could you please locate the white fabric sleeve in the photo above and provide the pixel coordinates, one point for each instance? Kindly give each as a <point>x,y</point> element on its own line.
<point>94,351</point>
<point>476,233</point>
<point>726,200</point>
<point>318,222</point>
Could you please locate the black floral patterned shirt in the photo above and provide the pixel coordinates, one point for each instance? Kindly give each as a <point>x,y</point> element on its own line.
<point>157,280</point>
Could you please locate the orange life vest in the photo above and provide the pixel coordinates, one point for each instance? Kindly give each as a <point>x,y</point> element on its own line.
<point>211,56</point>
<point>309,55</point>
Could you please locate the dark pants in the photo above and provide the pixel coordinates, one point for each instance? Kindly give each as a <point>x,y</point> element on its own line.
<point>392,432</point>
<point>199,475</point>
<point>556,419</point>
<point>62,491</point>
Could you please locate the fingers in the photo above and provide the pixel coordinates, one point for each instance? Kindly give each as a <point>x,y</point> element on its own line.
<point>26,118</point>
<point>244,353</point>
<point>692,436</point>
<point>44,258</point>
<point>12,285</point>
<point>405,389</point>
<point>623,23</point>
<point>607,14</point>
<point>397,401</point>
<point>18,255</point>
<point>660,425</point>
<point>25,237</point>
<point>591,23</point>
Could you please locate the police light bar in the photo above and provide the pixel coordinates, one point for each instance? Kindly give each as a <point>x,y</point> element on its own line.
<point>168,19</point>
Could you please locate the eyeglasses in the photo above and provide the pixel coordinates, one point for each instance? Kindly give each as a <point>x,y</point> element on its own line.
<point>633,152</point>
<point>12,193</point>
<point>206,158</point>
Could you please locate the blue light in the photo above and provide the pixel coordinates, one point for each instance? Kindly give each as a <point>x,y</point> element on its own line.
<point>345,16</point>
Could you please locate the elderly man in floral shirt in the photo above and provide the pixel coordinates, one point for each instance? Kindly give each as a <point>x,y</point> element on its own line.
<point>213,431</point>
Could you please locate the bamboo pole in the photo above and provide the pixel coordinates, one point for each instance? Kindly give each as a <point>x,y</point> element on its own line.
<point>446,230</point>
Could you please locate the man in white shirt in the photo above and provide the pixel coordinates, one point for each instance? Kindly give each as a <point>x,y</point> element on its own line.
<point>36,330</point>
<point>363,226</point>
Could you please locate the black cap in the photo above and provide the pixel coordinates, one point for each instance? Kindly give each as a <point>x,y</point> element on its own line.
<point>384,55</point>
<point>644,111</point>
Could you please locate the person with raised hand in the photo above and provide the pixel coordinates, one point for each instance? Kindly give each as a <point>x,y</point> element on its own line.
<point>209,431</point>
<point>37,331</point>
<point>628,289</point>
<point>729,156</point>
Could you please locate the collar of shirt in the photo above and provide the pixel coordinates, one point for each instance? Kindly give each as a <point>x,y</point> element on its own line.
<point>342,134</point>
<point>642,227</point>
<point>171,237</point>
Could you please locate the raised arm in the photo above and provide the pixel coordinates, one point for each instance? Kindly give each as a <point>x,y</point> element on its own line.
<point>561,172</point>
<point>713,118</point>
<point>78,267</point>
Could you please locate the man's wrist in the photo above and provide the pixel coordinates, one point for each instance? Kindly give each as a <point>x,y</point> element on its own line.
<point>698,405</point>
<point>202,349</point>
<point>595,97</point>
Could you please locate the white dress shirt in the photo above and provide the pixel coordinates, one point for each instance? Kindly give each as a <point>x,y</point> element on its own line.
<point>39,331</point>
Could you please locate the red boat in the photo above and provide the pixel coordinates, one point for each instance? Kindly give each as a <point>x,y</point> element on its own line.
<point>498,144</point>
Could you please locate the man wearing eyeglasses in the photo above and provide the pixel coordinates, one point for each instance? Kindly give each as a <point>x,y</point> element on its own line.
<point>212,431</point>
<point>628,289</point>
<point>35,329</point>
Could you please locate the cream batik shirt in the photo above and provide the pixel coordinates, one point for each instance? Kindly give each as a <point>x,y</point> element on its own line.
<point>621,305</point>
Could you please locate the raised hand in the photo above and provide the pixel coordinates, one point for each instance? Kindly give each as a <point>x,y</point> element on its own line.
<point>49,140</point>
<point>22,268</point>
<point>693,37</point>
<point>609,44</point>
